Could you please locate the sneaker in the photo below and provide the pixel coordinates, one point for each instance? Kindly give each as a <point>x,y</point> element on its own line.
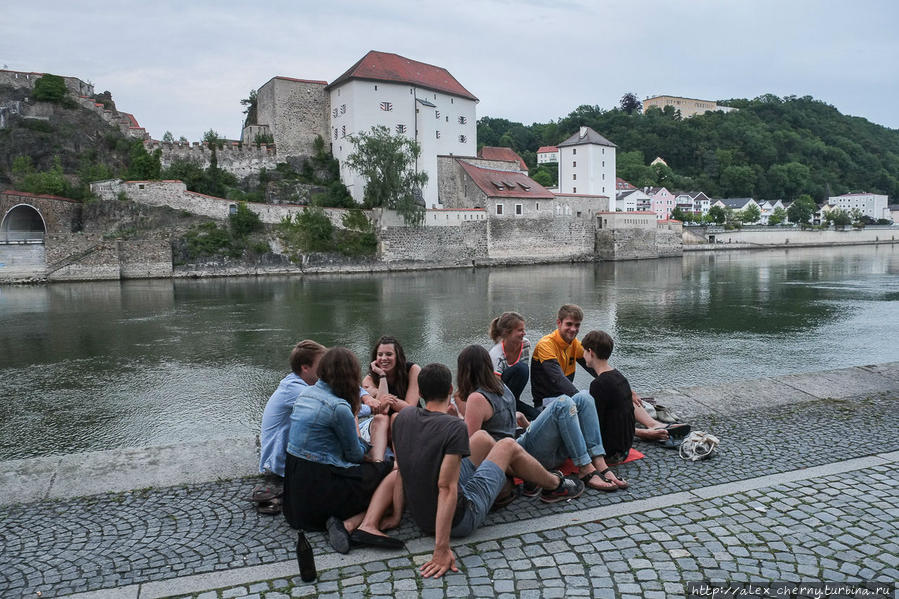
<point>530,489</point>
<point>569,488</point>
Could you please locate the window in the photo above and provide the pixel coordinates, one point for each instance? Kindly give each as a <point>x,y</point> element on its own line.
<point>447,118</point>
<point>603,176</point>
<point>574,164</point>
<point>401,128</point>
<point>140,186</point>
<point>437,133</point>
<point>518,209</point>
<point>603,163</point>
<point>386,106</point>
<point>376,88</point>
<point>451,100</point>
<point>335,132</point>
<point>437,114</point>
<point>574,190</point>
<point>343,131</point>
<point>499,209</point>
<point>334,113</point>
<point>462,138</point>
<point>343,109</point>
<point>574,177</point>
<point>463,120</point>
<point>232,209</point>
<point>574,151</point>
<point>538,205</point>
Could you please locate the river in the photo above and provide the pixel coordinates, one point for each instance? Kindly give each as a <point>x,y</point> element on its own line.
<point>90,366</point>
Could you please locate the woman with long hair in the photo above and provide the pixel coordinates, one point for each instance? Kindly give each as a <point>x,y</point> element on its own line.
<point>510,356</point>
<point>391,378</point>
<point>566,428</point>
<point>331,475</point>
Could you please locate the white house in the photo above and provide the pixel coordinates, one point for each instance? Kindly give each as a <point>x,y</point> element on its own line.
<point>768,207</point>
<point>422,101</point>
<point>869,204</point>
<point>587,164</point>
<point>632,200</point>
<point>547,154</point>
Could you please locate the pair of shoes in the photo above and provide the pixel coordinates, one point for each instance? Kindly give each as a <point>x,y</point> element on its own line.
<point>271,508</point>
<point>610,486</point>
<point>338,537</point>
<point>366,539</point>
<point>663,414</point>
<point>569,488</point>
<point>619,482</point>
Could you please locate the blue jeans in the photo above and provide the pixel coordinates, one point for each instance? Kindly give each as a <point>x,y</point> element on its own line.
<point>516,379</point>
<point>568,427</point>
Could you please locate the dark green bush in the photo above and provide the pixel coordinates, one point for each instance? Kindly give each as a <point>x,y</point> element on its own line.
<point>50,88</point>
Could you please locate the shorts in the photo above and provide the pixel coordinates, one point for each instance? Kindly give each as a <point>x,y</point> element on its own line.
<point>479,489</point>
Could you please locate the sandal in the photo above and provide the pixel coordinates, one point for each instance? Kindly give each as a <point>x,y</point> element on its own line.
<point>265,493</point>
<point>588,478</point>
<point>618,482</point>
<point>271,508</point>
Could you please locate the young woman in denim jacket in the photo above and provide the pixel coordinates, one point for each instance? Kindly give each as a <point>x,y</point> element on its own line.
<point>331,475</point>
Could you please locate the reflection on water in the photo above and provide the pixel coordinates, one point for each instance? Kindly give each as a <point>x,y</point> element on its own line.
<point>87,366</point>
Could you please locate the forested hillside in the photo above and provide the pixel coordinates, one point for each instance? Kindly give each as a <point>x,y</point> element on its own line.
<point>772,148</point>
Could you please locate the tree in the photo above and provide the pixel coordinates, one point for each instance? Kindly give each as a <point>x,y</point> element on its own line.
<point>778,216</point>
<point>630,104</point>
<point>244,221</point>
<point>738,181</point>
<point>717,214</point>
<point>50,88</point>
<point>168,137</point>
<point>386,161</point>
<point>678,214</point>
<point>802,210</point>
<point>144,166</point>
<point>250,108</point>
<point>838,218</point>
<point>751,214</point>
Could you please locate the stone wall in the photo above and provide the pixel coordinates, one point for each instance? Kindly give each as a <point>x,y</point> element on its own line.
<point>79,257</point>
<point>240,160</point>
<point>637,243</point>
<point>26,80</point>
<point>145,259</point>
<point>439,246</point>
<point>780,236</point>
<point>296,112</point>
<point>60,215</point>
<point>559,239</point>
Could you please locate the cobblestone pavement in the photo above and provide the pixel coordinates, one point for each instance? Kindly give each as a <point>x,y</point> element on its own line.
<point>68,546</point>
<point>840,529</point>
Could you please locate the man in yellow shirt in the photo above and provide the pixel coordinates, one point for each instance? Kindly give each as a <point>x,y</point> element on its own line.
<point>555,356</point>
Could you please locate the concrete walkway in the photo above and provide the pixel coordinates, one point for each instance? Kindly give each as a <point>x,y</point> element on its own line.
<point>803,490</point>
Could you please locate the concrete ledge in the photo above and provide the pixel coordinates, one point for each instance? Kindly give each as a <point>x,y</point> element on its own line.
<point>59,477</point>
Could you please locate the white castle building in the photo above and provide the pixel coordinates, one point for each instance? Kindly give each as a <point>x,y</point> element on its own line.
<point>587,164</point>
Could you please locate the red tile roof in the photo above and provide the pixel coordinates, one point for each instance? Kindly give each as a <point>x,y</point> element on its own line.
<point>505,184</point>
<point>622,184</point>
<point>544,149</point>
<point>499,153</point>
<point>384,66</point>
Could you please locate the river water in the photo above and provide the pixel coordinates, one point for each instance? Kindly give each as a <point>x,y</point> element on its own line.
<point>89,366</point>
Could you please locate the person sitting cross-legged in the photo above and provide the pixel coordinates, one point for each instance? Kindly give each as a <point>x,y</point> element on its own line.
<point>449,481</point>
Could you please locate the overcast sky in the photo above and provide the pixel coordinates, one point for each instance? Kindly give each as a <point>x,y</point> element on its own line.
<point>183,66</point>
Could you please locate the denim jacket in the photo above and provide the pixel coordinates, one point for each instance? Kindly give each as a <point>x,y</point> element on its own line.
<point>323,430</point>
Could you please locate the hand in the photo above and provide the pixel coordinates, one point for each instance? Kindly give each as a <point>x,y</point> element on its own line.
<point>374,404</point>
<point>395,402</point>
<point>377,369</point>
<point>452,411</point>
<point>442,561</point>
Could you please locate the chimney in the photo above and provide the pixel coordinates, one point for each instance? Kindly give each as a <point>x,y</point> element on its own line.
<point>583,132</point>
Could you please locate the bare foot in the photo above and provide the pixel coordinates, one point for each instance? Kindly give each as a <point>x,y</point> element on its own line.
<point>619,482</point>
<point>651,434</point>
<point>594,480</point>
<point>371,530</point>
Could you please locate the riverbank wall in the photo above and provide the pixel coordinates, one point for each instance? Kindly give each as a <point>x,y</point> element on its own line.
<point>713,239</point>
<point>125,469</point>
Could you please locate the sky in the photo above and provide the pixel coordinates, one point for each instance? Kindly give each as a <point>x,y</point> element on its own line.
<point>183,66</point>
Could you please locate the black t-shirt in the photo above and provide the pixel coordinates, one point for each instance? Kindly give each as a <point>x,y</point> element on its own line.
<point>615,408</point>
<point>421,438</point>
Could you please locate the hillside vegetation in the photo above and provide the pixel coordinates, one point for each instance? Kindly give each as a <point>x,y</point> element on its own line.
<point>772,148</point>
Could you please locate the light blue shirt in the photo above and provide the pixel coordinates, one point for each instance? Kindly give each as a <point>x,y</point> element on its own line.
<point>276,423</point>
<point>323,429</point>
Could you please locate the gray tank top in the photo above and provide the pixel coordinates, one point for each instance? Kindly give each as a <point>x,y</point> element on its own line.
<point>502,423</point>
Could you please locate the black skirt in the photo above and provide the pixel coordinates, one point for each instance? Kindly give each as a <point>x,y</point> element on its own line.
<point>313,492</point>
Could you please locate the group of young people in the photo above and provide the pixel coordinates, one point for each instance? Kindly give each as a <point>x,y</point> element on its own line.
<point>355,451</point>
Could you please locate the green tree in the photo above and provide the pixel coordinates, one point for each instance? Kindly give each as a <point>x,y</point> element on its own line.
<point>50,88</point>
<point>717,215</point>
<point>168,137</point>
<point>751,214</point>
<point>678,214</point>
<point>630,104</point>
<point>144,166</point>
<point>308,231</point>
<point>244,221</point>
<point>778,216</point>
<point>386,161</point>
<point>838,218</point>
<point>802,209</point>
<point>738,181</point>
<point>357,238</point>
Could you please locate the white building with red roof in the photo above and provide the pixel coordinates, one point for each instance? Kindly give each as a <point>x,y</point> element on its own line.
<point>419,100</point>
<point>547,155</point>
